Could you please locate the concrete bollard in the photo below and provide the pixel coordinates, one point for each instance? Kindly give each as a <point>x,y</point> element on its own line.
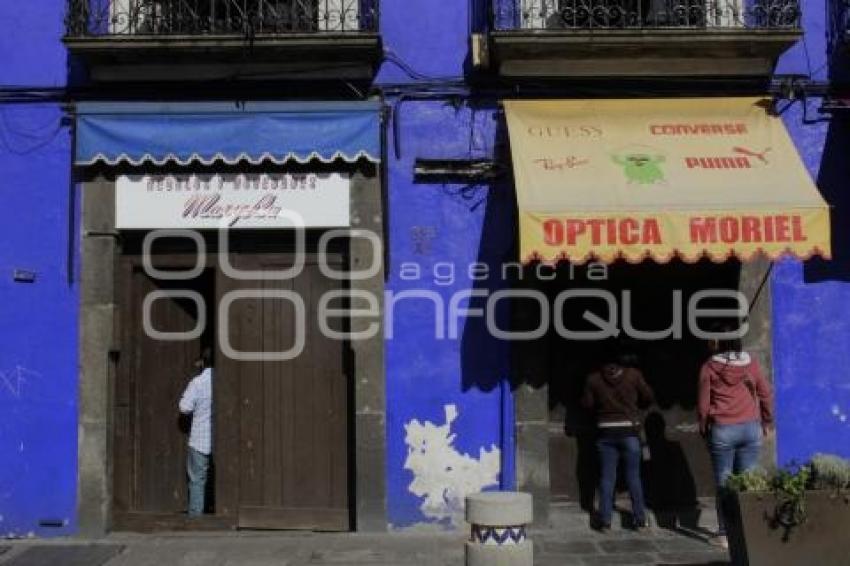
<point>499,520</point>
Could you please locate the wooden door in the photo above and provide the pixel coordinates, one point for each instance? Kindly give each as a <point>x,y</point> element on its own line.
<point>283,437</point>
<point>150,436</point>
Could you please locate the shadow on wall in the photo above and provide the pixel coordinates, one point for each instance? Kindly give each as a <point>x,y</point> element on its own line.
<point>835,167</point>
<point>485,359</point>
<point>77,72</point>
<point>832,181</point>
<point>671,489</point>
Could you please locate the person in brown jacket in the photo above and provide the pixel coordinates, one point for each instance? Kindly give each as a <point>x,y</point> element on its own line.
<point>615,394</point>
<point>735,409</point>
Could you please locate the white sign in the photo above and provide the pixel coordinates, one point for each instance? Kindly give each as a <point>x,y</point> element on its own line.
<point>147,202</point>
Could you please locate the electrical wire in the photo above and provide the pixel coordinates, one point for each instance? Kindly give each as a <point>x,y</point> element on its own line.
<point>392,57</point>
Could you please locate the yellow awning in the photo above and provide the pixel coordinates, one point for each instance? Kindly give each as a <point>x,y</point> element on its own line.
<point>658,178</point>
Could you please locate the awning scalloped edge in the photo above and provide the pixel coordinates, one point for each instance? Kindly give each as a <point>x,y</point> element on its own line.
<point>221,158</point>
<point>536,256</point>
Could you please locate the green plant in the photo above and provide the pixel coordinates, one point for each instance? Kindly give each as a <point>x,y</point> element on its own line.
<point>752,480</point>
<point>789,486</point>
<point>830,472</point>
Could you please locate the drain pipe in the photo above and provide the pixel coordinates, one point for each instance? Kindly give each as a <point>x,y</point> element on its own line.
<point>506,436</point>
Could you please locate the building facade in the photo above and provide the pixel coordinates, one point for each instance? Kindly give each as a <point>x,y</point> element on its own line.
<point>433,406</point>
<point>39,380</point>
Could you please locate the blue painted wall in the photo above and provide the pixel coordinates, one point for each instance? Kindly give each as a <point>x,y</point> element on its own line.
<point>38,321</point>
<point>436,228</point>
<point>441,229</point>
<point>462,224</point>
<point>810,299</point>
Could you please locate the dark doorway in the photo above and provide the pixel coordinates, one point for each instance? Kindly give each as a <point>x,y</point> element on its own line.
<point>281,428</point>
<point>677,469</point>
<point>150,435</point>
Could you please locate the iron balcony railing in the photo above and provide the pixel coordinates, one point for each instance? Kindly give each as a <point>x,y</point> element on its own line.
<point>644,14</point>
<point>97,18</point>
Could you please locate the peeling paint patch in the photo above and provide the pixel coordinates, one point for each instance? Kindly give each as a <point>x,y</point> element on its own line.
<point>442,475</point>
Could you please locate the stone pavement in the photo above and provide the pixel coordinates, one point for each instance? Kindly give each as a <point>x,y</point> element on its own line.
<point>566,541</point>
<point>679,538</point>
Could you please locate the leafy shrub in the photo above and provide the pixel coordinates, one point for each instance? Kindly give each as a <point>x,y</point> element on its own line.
<point>830,472</point>
<point>790,484</point>
<point>753,480</point>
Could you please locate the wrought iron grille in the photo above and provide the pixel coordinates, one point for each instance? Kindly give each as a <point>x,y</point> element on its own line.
<point>645,14</point>
<point>91,18</point>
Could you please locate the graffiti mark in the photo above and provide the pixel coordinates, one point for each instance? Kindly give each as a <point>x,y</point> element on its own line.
<point>13,381</point>
<point>442,476</point>
<point>422,237</point>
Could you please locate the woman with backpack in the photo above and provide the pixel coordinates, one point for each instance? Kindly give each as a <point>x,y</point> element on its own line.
<point>615,394</point>
<point>735,413</point>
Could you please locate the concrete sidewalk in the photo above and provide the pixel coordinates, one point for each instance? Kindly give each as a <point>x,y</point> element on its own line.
<point>567,541</point>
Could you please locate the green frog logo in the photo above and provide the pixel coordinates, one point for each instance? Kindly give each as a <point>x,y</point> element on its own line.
<point>642,165</point>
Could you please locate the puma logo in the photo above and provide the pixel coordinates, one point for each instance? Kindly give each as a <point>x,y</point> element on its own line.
<point>750,153</point>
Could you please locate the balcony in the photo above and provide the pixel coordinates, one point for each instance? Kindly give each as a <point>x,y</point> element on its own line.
<point>640,38</point>
<point>185,40</point>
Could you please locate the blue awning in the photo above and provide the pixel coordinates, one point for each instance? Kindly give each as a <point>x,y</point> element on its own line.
<point>184,133</point>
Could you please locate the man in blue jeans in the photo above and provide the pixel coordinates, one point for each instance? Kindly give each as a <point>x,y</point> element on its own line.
<point>197,401</point>
<point>615,394</point>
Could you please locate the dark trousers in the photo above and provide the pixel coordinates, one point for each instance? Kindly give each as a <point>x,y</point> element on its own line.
<point>612,449</point>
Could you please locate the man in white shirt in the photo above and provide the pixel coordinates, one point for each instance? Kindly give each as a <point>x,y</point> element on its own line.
<point>197,401</point>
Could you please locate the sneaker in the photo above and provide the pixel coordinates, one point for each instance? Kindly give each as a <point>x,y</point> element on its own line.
<point>641,525</point>
<point>598,525</point>
<point>719,541</point>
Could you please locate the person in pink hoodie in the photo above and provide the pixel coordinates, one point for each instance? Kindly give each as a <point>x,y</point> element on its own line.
<point>735,413</point>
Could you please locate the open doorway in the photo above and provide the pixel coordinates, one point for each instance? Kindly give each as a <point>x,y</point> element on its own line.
<point>282,439</point>
<point>155,366</point>
<point>677,468</point>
